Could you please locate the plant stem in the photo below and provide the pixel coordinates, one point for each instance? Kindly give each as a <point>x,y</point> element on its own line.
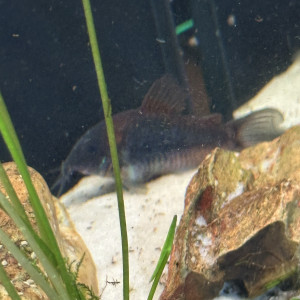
<point>11,140</point>
<point>111,139</point>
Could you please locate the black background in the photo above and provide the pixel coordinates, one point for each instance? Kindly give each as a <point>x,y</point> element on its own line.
<point>48,80</point>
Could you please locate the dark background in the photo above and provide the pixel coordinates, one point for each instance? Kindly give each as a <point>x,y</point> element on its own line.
<point>47,76</point>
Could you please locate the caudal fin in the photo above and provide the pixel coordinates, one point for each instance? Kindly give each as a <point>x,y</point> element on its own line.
<point>257,127</point>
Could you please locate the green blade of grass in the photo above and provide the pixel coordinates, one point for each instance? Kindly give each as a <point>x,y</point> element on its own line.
<point>111,139</point>
<point>21,212</point>
<point>167,247</point>
<point>26,264</point>
<point>12,194</point>
<point>164,255</point>
<point>160,269</point>
<point>10,137</point>
<point>52,273</point>
<point>5,281</point>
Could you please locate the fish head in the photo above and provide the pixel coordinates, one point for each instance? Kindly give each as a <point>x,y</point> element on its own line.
<point>89,156</point>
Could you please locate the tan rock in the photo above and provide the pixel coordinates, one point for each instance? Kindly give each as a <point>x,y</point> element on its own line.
<point>70,243</point>
<point>241,222</point>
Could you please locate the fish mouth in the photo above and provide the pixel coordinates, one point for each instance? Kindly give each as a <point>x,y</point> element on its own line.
<point>67,172</point>
<point>59,184</point>
<point>62,180</point>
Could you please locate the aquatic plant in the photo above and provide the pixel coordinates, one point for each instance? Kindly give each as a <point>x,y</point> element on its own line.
<point>115,162</point>
<point>111,139</point>
<point>56,278</point>
<point>60,283</point>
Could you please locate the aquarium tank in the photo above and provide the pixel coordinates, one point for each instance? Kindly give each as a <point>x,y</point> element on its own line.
<point>47,74</point>
<point>219,53</point>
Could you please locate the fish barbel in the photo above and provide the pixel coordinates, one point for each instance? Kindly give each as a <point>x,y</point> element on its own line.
<point>159,138</point>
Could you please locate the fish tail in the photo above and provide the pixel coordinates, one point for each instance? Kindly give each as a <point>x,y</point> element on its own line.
<point>257,127</point>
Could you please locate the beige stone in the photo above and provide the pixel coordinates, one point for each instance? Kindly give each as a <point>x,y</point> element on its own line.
<point>70,243</point>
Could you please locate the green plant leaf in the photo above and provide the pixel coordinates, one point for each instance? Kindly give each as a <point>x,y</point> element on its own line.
<point>111,139</point>
<point>164,255</point>
<point>5,281</point>
<point>51,271</point>
<point>21,212</point>
<point>26,264</point>
<point>12,194</point>
<point>10,138</point>
<point>167,247</point>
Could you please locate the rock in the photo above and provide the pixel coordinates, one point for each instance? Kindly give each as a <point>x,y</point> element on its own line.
<point>70,243</point>
<point>241,222</point>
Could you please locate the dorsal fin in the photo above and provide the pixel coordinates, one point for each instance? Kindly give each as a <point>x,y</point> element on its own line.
<point>165,96</point>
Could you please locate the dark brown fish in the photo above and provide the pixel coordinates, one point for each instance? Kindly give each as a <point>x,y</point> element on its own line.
<point>158,138</point>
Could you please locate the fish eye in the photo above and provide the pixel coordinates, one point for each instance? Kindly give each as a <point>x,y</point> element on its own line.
<point>103,164</point>
<point>103,161</point>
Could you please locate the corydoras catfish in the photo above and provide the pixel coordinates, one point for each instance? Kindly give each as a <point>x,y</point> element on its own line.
<point>159,138</point>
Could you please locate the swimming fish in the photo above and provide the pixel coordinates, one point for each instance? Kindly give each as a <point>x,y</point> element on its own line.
<point>159,137</point>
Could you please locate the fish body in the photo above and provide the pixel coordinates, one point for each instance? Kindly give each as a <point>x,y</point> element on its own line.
<point>159,138</point>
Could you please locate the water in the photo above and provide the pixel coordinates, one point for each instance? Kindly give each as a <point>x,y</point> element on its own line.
<point>47,75</point>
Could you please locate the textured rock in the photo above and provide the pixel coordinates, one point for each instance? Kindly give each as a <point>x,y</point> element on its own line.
<point>241,222</point>
<point>68,239</point>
